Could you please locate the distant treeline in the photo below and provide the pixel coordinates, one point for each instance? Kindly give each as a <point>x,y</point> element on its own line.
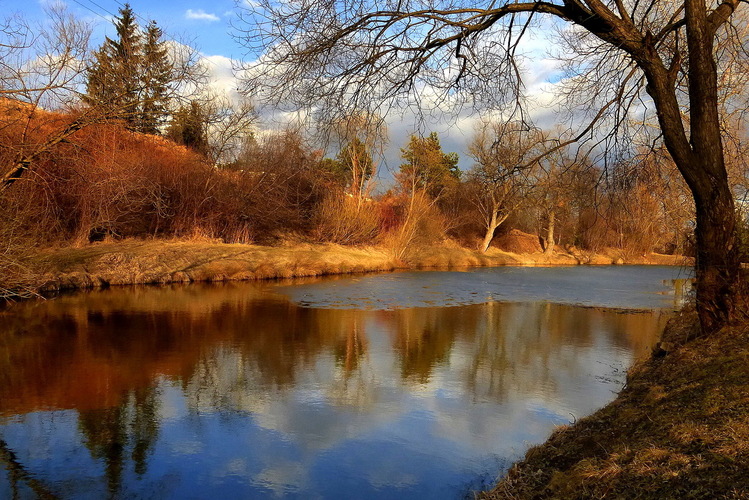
<point>106,181</point>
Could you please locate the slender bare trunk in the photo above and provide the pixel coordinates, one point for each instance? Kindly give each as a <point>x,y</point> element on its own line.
<point>489,235</point>
<point>549,248</point>
<point>493,223</point>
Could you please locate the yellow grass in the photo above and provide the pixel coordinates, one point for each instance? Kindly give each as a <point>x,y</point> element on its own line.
<point>133,262</point>
<point>178,261</point>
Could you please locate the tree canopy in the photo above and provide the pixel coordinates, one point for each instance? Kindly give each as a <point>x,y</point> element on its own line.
<point>426,166</point>
<point>188,127</point>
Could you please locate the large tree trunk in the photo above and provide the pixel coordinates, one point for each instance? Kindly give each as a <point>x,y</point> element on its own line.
<point>717,266</point>
<point>717,254</point>
<point>700,161</point>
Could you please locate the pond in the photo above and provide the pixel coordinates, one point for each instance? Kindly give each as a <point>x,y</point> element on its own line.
<point>426,384</point>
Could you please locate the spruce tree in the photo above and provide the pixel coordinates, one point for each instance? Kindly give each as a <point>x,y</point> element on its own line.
<point>114,81</point>
<point>157,79</point>
<point>132,75</point>
<point>188,127</point>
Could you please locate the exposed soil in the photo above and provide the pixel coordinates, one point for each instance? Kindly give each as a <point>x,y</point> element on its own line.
<point>517,241</point>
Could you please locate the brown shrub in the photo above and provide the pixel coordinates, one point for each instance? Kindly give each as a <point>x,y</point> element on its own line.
<point>420,223</point>
<point>109,182</point>
<point>345,219</point>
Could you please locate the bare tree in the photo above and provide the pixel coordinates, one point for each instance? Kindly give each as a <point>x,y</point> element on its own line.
<point>38,68</point>
<point>229,125</point>
<point>503,153</point>
<point>554,182</point>
<point>363,51</point>
<point>362,139</point>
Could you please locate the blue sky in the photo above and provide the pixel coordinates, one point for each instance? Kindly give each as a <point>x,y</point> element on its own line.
<point>203,24</point>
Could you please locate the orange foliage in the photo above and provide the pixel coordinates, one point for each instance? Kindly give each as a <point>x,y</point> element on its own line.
<point>107,181</point>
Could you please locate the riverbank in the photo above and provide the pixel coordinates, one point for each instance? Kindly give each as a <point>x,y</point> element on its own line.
<point>679,429</point>
<point>159,261</point>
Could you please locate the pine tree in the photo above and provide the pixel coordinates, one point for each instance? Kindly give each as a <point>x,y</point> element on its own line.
<point>157,78</point>
<point>427,166</point>
<point>188,127</point>
<point>114,79</point>
<point>132,75</point>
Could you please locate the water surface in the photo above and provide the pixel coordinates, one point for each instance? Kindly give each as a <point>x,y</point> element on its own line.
<point>381,386</point>
<point>628,287</point>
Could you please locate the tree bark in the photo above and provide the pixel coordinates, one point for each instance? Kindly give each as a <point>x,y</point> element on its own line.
<point>492,224</point>
<point>701,162</point>
<point>549,244</point>
<point>717,266</point>
<point>489,235</point>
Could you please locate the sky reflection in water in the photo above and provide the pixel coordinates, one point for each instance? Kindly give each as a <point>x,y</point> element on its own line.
<point>236,391</point>
<point>630,287</point>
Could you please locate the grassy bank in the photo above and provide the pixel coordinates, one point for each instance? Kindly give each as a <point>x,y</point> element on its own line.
<point>679,429</point>
<point>135,262</point>
<point>159,261</point>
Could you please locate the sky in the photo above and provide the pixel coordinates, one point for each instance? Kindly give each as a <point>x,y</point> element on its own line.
<point>203,24</point>
<point>207,26</point>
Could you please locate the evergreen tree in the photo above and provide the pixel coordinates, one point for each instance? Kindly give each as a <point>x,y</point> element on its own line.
<point>132,76</point>
<point>426,166</point>
<point>157,78</point>
<point>114,78</point>
<point>334,171</point>
<point>188,127</point>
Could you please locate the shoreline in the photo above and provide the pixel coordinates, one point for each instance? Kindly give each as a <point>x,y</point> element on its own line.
<point>133,262</point>
<point>678,429</point>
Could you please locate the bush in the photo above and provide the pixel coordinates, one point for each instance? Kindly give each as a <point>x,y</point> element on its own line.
<point>347,220</point>
<point>420,223</point>
<point>110,182</point>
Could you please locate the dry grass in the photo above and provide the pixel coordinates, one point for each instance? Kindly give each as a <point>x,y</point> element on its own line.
<point>134,261</point>
<point>347,220</point>
<point>453,256</point>
<point>680,429</point>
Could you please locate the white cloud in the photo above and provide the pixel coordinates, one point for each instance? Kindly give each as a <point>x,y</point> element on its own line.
<point>200,15</point>
<point>221,75</point>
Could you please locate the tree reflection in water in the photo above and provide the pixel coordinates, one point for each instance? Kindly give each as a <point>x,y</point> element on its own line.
<point>321,379</point>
